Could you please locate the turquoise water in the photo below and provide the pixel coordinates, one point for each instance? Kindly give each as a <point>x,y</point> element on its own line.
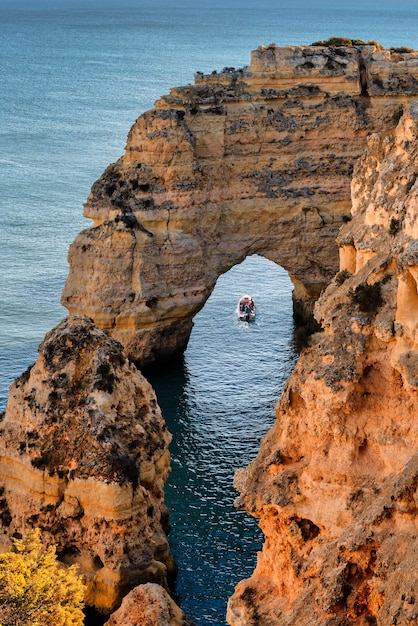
<point>73,78</point>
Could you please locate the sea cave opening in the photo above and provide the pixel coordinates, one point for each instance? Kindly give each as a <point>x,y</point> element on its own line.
<point>218,401</point>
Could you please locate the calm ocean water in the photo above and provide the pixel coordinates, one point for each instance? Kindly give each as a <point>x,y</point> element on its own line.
<point>74,75</point>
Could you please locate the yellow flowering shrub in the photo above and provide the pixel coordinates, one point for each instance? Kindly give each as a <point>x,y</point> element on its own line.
<point>37,590</point>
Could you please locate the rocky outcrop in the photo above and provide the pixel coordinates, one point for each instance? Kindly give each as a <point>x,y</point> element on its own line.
<point>335,483</point>
<point>84,457</point>
<point>148,605</point>
<point>250,161</point>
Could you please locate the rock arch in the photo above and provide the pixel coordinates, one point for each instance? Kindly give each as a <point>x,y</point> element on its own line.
<point>256,160</point>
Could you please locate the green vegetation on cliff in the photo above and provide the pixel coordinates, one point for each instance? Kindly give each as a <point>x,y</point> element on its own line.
<point>338,42</point>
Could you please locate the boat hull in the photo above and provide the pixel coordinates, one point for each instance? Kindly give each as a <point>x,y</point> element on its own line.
<point>246,309</point>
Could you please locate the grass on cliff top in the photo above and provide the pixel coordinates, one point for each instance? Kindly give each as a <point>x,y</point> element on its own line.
<point>338,42</point>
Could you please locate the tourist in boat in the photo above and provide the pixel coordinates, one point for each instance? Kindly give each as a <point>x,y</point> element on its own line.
<point>246,308</point>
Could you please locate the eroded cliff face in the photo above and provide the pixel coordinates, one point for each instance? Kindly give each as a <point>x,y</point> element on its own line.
<point>335,481</point>
<point>84,457</point>
<point>250,161</point>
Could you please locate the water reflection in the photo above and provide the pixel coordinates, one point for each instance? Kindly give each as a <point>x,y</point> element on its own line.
<point>214,545</point>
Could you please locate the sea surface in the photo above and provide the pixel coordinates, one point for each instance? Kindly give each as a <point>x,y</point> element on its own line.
<point>74,76</point>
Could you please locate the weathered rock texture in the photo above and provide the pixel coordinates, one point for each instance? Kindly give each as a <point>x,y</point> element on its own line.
<point>148,605</point>
<point>335,482</point>
<point>84,457</point>
<point>250,161</point>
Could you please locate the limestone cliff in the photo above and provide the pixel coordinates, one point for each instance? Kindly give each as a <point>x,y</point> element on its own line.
<point>84,457</point>
<point>250,161</point>
<point>335,481</point>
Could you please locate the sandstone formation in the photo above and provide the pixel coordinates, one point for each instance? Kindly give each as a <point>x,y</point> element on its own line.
<point>335,483</point>
<point>84,457</point>
<point>148,605</point>
<point>250,161</point>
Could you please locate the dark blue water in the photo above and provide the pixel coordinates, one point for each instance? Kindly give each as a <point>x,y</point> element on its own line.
<point>74,75</point>
<point>218,403</point>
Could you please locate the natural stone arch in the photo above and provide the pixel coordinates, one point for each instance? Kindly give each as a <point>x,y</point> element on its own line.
<point>248,161</point>
<point>180,273</point>
<point>265,280</point>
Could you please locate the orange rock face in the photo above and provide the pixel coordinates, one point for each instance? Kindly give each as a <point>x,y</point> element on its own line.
<point>84,457</point>
<point>335,482</point>
<point>250,161</point>
<point>148,605</point>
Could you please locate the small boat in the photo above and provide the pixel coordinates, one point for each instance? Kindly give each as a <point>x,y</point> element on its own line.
<point>246,309</point>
